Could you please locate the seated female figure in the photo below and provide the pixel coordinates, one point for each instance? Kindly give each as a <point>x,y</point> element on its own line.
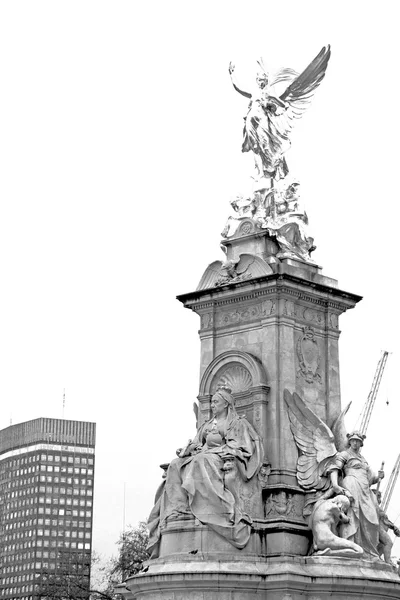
<point>195,480</point>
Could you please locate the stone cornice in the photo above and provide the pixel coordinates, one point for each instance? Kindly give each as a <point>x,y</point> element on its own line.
<point>276,284</point>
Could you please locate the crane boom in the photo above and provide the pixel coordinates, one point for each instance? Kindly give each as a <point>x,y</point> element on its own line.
<point>390,485</point>
<point>369,405</point>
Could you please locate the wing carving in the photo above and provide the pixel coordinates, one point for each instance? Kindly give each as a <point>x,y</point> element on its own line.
<point>314,440</point>
<point>300,92</point>
<point>339,430</point>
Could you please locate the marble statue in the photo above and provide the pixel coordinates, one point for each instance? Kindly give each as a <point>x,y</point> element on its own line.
<point>357,478</point>
<point>385,542</point>
<point>330,463</point>
<point>274,202</point>
<point>271,115</point>
<point>325,518</point>
<point>287,222</point>
<point>202,482</point>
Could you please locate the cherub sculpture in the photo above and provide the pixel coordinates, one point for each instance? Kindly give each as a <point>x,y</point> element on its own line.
<point>330,464</point>
<point>271,117</point>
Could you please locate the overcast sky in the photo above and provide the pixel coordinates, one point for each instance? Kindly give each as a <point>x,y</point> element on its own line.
<point>120,148</point>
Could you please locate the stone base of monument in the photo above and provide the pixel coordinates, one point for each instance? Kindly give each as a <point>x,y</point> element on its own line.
<point>268,538</point>
<point>208,577</point>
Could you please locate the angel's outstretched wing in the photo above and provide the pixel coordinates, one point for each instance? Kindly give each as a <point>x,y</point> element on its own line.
<point>314,441</point>
<point>339,430</point>
<point>299,93</point>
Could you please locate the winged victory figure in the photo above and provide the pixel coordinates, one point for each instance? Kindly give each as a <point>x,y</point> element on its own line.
<point>330,465</point>
<point>270,117</point>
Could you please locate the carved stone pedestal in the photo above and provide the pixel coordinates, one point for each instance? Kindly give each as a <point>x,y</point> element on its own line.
<point>260,336</point>
<point>265,331</point>
<point>255,578</point>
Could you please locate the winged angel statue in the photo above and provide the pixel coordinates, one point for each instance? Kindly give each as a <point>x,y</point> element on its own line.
<point>331,467</point>
<point>271,117</point>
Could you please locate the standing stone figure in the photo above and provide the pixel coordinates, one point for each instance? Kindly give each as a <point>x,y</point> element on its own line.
<point>357,478</point>
<point>196,484</point>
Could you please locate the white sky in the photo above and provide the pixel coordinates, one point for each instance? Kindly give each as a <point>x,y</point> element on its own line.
<point>120,138</point>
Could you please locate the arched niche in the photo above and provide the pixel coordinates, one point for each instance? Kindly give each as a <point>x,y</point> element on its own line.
<point>246,376</point>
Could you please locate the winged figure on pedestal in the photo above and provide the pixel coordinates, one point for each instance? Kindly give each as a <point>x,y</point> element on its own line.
<point>271,115</point>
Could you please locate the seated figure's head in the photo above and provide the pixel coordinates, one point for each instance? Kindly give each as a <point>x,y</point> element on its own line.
<point>222,400</point>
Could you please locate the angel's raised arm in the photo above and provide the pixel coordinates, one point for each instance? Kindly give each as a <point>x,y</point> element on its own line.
<point>234,82</point>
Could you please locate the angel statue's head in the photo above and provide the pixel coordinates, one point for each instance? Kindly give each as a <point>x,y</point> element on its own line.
<point>262,80</point>
<point>262,75</point>
<point>358,439</point>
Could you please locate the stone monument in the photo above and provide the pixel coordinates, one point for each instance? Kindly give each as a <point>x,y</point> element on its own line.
<point>272,497</point>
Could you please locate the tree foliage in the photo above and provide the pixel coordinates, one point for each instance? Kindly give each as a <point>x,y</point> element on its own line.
<point>131,551</point>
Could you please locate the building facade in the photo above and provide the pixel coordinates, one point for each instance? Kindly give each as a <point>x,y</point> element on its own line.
<point>46,507</point>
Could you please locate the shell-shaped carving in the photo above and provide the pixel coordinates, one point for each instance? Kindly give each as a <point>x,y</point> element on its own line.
<point>237,378</point>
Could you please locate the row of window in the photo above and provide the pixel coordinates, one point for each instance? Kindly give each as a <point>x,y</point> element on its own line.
<point>56,469</point>
<point>15,590</point>
<point>7,474</point>
<point>26,556</point>
<point>83,460</point>
<point>43,543</point>
<point>57,490</point>
<point>10,563</point>
<point>34,566</point>
<point>83,502</point>
<point>12,481</point>
<point>25,460</point>
<point>61,511</point>
<point>53,532</point>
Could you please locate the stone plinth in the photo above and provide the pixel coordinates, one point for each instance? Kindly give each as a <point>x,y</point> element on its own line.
<point>268,538</point>
<point>255,578</point>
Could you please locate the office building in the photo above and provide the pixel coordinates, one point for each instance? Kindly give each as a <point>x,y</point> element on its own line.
<point>46,506</point>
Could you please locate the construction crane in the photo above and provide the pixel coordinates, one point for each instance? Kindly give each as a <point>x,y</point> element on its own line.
<point>369,405</point>
<point>390,485</point>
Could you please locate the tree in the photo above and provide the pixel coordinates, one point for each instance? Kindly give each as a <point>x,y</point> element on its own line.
<point>131,552</point>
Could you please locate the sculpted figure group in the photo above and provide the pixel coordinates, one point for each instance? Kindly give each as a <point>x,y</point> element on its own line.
<point>204,482</point>
<point>277,101</point>
<point>344,512</point>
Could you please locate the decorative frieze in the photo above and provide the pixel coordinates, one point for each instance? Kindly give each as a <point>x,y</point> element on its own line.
<point>284,504</point>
